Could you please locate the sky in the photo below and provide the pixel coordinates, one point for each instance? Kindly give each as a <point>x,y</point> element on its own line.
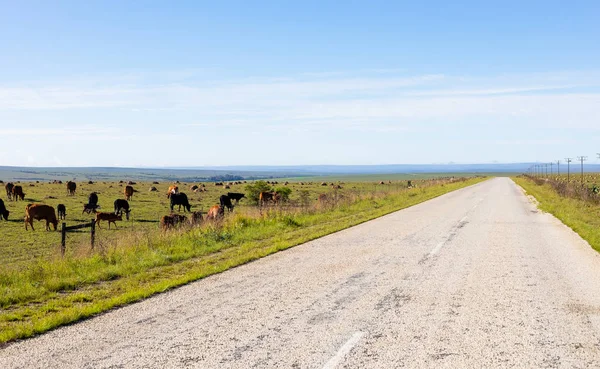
<point>214,83</point>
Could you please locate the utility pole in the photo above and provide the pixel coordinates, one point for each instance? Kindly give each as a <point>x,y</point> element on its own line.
<point>568,160</point>
<point>582,159</point>
<point>551,164</point>
<point>558,168</point>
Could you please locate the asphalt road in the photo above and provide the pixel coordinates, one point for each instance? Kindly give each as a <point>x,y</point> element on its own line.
<point>477,278</point>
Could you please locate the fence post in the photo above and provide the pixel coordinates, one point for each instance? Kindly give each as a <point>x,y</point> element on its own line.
<point>93,232</point>
<point>63,234</point>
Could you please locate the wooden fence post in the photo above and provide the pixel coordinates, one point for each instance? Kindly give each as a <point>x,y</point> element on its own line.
<point>63,239</point>
<point>93,232</point>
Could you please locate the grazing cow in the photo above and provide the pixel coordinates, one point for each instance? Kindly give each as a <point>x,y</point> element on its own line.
<point>131,183</point>
<point>194,188</point>
<point>196,218</point>
<point>227,187</point>
<point>218,183</point>
<point>90,182</point>
<point>172,221</point>
<point>324,184</point>
<point>172,190</point>
<point>153,189</point>
<point>39,212</point>
<point>17,193</point>
<point>215,212</point>
<point>323,199</point>
<point>9,187</point>
<point>225,201</point>
<point>109,217</point>
<point>154,182</point>
<point>71,187</point>
<point>120,206</point>
<point>62,211</point>
<point>128,192</point>
<point>180,199</point>
<point>3,210</point>
<point>235,196</point>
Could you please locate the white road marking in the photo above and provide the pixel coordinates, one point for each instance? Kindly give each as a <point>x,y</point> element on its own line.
<point>344,350</point>
<point>439,246</point>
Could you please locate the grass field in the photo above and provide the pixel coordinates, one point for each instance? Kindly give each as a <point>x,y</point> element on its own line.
<point>581,216</point>
<point>39,290</point>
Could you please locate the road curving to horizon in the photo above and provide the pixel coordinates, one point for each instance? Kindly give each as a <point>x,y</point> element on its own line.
<point>474,278</point>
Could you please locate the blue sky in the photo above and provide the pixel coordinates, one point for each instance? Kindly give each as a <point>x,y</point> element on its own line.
<point>274,83</point>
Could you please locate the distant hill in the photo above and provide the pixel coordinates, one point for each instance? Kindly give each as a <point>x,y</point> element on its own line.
<point>230,173</point>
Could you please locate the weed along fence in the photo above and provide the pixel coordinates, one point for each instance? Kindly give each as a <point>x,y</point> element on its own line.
<point>65,229</point>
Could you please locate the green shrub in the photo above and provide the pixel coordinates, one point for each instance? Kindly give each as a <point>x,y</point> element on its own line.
<point>284,192</point>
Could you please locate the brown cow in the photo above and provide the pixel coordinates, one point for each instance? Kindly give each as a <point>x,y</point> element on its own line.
<point>9,187</point>
<point>172,221</point>
<point>323,199</point>
<point>128,191</point>
<point>71,187</point>
<point>215,212</point>
<point>268,197</point>
<point>172,190</point>
<point>109,217</point>
<point>17,193</point>
<point>39,212</point>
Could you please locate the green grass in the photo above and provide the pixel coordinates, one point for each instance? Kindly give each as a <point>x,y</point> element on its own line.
<point>45,291</point>
<point>581,216</point>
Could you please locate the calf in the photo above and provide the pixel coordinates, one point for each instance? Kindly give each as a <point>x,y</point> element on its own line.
<point>3,210</point>
<point>215,212</point>
<point>172,190</point>
<point>180,199</point>
<point>225,202</point>
<point>120,206</point>
<point>235,196</point>
<point>62,211</point>
<point>17,192</point>
<point>109,217</point>
<point>128,192</point>
<point>172,221</point>
<point>39,212</point>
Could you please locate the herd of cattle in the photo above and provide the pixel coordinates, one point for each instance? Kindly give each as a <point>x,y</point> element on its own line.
<point>45,212</point>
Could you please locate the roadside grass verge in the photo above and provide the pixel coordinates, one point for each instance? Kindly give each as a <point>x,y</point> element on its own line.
<point>581,216</point>
<point>49,293</point>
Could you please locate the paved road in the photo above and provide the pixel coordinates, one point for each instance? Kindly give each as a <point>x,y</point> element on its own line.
<point>476,278</point>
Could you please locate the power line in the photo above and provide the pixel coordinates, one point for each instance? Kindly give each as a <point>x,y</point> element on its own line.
<point>582,159</point>
<point>568,160</point>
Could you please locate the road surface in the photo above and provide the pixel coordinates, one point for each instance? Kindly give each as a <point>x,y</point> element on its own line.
<point>475,278</point>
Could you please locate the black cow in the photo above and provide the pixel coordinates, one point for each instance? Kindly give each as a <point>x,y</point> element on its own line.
<point>3,210</point>
<point>226,202</point>
<point>235,196</point>
<point>180,199</point>
<point>62,211</point>
<point>120,206</point>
